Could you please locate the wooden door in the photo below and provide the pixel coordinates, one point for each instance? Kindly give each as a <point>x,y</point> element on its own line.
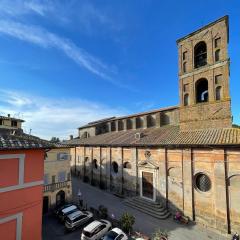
<point>147,185</point>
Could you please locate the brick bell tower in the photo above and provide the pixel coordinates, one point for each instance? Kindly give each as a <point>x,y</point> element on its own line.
<point>204,78</point>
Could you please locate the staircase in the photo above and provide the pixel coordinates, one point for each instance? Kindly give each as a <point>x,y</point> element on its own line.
<point>153,209</point>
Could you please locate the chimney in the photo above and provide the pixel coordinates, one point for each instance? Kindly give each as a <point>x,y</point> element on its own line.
<point>71,137</point>
<point>9,115</point>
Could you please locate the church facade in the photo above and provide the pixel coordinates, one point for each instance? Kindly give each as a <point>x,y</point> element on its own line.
<point>187,157</point>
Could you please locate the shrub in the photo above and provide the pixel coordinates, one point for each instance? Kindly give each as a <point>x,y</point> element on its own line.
<point>127,220</point>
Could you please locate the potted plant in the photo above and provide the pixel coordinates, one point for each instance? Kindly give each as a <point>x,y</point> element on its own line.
<point>160,235</point>
<point>127,220</point>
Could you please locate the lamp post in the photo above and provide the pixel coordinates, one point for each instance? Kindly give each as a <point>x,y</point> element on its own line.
<point>80,201</point>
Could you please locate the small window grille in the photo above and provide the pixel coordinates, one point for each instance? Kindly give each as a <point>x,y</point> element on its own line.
<point>203,182</point>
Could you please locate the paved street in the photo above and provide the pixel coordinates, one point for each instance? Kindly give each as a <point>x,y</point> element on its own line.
<point>147,224</point>
<point>144,223</point>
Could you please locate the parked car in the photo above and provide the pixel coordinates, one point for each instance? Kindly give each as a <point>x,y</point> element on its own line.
<point>96,229</point>
<point>77,219</point>
<point>115,234</point>
<point>66,211</point>
<point>59,208</point>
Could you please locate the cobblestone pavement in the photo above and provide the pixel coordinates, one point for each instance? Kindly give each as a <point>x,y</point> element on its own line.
<point>93,196</point>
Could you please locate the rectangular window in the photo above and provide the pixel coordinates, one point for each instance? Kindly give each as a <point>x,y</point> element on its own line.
<point>62,176</point>
<point>185,55</point>
<point>217,42</point>
<point>218,79</point>
<point>14,123</point>
<point>1,122</point>
<point>53,178</point>
<point>62,156</point>
<point>46,180</point>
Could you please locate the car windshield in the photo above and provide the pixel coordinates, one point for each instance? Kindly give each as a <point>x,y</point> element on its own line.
<point>111,236</point>
<point>87,234</point>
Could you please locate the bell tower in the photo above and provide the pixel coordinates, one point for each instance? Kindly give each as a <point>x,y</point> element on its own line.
<point>204,78</point>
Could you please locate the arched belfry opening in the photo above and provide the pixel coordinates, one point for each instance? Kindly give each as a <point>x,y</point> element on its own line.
<point>200,54</point>
<point>201,88</point>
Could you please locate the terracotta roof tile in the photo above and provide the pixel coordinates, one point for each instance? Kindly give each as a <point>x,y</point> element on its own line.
<point>164,136</point>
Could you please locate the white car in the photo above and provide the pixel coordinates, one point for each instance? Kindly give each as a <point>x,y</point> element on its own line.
<point>66,211</point>
<point>96,229</point>
<point>115,234</point>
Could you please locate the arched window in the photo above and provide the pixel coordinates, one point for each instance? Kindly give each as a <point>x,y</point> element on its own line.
<point>200,54</point>
<point>139,122</point>
<point>184,67</point>
<point>113,126</point>
<point>218,93</point>
<point>115,167</point>
<point>186,99</point>
<point>129,124</point>
<point>120,125</point>
<point>151,121</point>
<point>127,165</point>
<point>217,55</point>
<point>202,182</point>
<point>201,88</point>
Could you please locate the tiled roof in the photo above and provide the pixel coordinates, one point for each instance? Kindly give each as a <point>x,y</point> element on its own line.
<point>164,136</point>
<point>26,141</point>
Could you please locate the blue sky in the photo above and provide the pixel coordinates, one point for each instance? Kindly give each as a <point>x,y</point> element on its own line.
<point>65,63</point>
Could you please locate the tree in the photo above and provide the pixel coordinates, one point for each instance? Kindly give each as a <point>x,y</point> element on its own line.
<point>160,235</point>
<point>127,220</point>
<point>55,140</point>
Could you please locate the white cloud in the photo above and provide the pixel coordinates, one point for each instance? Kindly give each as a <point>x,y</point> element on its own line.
<point>43,38</point>
<point>50,117</point>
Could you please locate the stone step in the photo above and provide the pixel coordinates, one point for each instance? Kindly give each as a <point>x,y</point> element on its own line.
<point>147,202</point>
<point>153,209</point>
<point>157,208</point>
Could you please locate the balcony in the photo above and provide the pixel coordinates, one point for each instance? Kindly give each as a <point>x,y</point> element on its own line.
<point>55,186</point>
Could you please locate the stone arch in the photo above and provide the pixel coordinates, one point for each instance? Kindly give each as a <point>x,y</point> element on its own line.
<point>151,121</point>
<point>201,88</point>
<point>60,198</point>
<point>139,122</point>
<point>129,123</point>
<point>200,54</point>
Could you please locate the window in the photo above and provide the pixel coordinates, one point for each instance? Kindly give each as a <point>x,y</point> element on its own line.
<point>129,124</point>
<point>127,165</point>
<point>121,236</point>
<point>46,179</point>
<point>113,126</point>
<point>53,178</point>
<point>218,93</point>
<point>218,79</point>
<point>1,122</point>
<point>184,67</point>
<point>62,176</point>
<point>186,100</point>
<point>201,88</point>
<point>115,167</point>
<point>95,164</point>
<point>185,55</point>
<point>139,122</point>
<point>202,182</point>
<point>85,135</point>
<point>120,125</point>
<point>200,55</point>
<point>14,123</point>
<point>217,55</point>
<point>62,156</point>
<point>217,42</point>
<point>151,121</point>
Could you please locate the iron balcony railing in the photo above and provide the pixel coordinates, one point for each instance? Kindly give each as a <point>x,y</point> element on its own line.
<point>55,186</point>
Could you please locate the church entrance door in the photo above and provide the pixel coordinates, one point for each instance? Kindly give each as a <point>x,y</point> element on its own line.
<point>147,185</point>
